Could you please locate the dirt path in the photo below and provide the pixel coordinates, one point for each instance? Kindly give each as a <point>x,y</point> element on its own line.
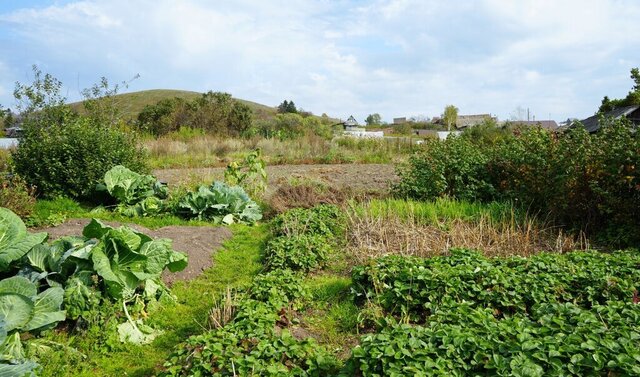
<point>197,242</point>
<point>357,176</point>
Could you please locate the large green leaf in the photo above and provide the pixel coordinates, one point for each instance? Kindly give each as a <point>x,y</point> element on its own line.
<point>11,228</point>
<point>19,247</point>
<point>46,310</point>
<point>18,285</point>
<point>17,310</point>
<point>22,369</point>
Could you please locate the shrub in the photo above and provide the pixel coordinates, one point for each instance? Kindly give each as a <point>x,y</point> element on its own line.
<point>16,195</point>
<point>583,181</point>
<point>63,153</point>
<point>455,167</point>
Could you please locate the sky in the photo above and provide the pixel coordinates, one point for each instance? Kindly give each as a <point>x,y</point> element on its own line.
<point>398,58</point>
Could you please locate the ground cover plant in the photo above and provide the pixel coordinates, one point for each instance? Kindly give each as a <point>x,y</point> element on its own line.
<point>257,340</point>
<point>548,314</point>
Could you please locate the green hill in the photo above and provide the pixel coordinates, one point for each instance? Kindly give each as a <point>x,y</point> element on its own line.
<point>131,104</point>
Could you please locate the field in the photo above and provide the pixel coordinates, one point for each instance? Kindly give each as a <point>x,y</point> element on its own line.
<point>321,256</point>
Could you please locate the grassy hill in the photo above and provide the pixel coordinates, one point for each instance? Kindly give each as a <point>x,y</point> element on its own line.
<point>132,104</point>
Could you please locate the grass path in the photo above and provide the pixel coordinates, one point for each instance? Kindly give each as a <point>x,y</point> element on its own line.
<point>234,266</point>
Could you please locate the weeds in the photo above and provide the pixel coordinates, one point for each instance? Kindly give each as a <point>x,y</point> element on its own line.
<point>429,229</point>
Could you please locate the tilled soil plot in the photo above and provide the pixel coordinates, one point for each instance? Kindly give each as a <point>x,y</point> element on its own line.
<point>369,177</point>
<point>198,242</point>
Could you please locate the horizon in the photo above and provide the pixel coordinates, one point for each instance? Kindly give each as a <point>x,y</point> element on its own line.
<point>395,58</point>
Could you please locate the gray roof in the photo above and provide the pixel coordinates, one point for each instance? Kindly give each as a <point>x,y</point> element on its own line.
<point>592,123</point>
<point>550,125</point>
<point>351,121</point>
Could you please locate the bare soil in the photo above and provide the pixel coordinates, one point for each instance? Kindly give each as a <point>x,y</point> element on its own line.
<point>198,242</point>
<point>367,177</point>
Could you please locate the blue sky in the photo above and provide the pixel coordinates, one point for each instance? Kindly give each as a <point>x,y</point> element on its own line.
<point>394,57</point>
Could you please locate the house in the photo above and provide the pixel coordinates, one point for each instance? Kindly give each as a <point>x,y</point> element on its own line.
<point>592,124</point>
<point>352,128</point>
<point>465,121</point>
<point>550,125</point>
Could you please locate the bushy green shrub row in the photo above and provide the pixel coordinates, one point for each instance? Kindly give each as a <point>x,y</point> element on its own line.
<point>213,112</point>
<point>589,182</point>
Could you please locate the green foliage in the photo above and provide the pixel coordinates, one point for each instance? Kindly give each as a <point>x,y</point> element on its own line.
<point>221,204</point>
<point>544,315</point>
<point>280,288</point>
<point>584,181</point>
<point>62,153</point>
<point>299,252</point>
<point>450,116</point>
<point>136,194</point>
<point>413,288</point>
<point>15,241</point>
<point>373,119</point>
<point>250,174</point>
<point>460,341</point>
<point>455,168</point>
<point>214,112</point>
<point>17,195</point>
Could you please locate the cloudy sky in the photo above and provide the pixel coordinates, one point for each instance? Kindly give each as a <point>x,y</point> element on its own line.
<point>394,57</point>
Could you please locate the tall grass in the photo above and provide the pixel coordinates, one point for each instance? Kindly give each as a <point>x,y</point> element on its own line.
<point>188,150</point>
<point>390,226</point>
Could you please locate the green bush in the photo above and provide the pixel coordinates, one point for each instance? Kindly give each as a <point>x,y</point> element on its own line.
<point>71,157</point>
<point>63,153</point>
<point>582,181</point>
<point>455,168</point>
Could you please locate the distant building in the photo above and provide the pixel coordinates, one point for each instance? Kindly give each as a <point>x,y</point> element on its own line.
<point>465,121</point>
<point>550,125</point>
<point>592,124</point>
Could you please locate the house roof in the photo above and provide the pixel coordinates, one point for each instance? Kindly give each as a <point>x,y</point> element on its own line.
<point>592,124</point>
<point>550,125</point>
<point>351,121</point>
<point>470,120</point>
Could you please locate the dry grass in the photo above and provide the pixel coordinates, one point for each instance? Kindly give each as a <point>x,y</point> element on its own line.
<point>223,310</point>
<point>177,151</point>
<point>373,235</point>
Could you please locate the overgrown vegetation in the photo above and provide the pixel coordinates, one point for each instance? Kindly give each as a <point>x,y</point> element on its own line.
<point>61,152</point>
<point>582,181</point>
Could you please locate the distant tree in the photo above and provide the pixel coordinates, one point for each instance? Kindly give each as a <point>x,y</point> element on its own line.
<point>450,116</point>
<point>632,98</point>
<point>287,107</point>
<point>373,119</point>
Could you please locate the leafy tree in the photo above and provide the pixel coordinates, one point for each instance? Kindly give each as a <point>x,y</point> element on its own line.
<point>450,116</point>
<point>373,120</point>
<point>632,98</point>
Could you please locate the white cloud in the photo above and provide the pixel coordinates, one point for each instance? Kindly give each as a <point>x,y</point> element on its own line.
<point>394,57</point>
